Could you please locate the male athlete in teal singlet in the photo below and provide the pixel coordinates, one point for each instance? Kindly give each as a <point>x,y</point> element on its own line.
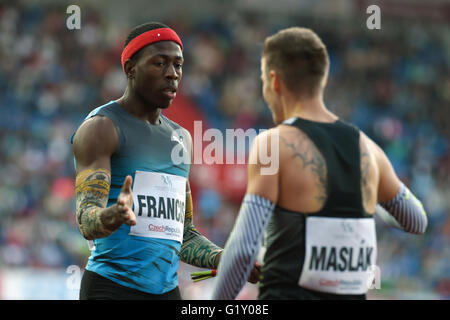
<point>133,202</point>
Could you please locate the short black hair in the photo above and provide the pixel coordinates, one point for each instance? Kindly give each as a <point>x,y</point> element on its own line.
<point>140,29</point>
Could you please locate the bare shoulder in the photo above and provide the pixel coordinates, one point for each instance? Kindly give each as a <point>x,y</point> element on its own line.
<point>290,133</point>
<point>268,133</point>
<point>264,143</point>
<point>369,145</point>
<point>368,150</point>
<point>303,168</point>
<point>389,183</point>
<point>95,138</point>
<point>294,143</point>
<point>98,129</point>
<point>287,130</point>
<point>298,149</point>
<point>372,156</point>
<point>263,165</point>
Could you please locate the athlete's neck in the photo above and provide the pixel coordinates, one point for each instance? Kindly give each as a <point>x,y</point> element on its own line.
<point>310,108</point>
<point>138,108</point>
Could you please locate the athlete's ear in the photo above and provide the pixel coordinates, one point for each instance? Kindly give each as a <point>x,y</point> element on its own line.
<point>129,68</point>
<point>275,79</point>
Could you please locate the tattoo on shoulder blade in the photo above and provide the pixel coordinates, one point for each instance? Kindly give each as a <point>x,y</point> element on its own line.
<point>92,191</point>
<point>304,149</point>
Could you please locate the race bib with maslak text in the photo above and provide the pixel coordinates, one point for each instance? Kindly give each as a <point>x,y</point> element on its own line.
<point>340,255</point>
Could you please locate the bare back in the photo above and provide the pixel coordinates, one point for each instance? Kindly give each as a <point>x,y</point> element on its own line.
<point>303,173</point>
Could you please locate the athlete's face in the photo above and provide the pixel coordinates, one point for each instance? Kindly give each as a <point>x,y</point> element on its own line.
<point>157,73</point>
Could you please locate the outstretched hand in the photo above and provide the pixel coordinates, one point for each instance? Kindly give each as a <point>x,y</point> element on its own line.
<point>114,216</point>
<point>255,273</point>
<point>125,202</point>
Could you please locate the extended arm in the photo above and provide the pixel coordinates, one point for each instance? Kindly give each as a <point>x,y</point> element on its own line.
<point>92,189</point>
<point>242,247</point>
<point>93,145</point>
<point>244,242</point>
<point>407,211</point>
<point>404,209</point>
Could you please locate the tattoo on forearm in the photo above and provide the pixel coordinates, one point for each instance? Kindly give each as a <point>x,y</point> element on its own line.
<point>197,250</point>
<point>92,190</point>
<point>304,150</point>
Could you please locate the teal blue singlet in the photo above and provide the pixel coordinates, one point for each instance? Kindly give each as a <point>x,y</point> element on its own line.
<point>145,263</point>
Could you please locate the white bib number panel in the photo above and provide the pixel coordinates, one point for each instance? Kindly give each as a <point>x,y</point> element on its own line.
<point>339,255</point>
<point>159,205</point>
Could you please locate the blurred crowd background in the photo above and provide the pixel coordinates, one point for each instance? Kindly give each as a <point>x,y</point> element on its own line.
<point>393,83</point>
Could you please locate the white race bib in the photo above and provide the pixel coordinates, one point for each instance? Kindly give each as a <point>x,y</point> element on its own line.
<point>340,255</point>
<point>159,205</point>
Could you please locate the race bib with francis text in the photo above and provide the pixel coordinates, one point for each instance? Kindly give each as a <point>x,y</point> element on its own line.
<point>159,205</point>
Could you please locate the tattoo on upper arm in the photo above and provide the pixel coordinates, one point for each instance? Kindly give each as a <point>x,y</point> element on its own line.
<point>92,191</point>
<point>310,156</point>
<point>197,250</point>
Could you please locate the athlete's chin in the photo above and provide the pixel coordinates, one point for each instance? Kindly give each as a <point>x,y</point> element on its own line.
<point>166,102</point>
<point>165,105</point>
<point>162,103</point>
<point>159,102</point>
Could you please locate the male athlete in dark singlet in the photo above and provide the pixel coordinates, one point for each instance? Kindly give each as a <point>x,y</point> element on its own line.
<point>133,202</point>
<point>318,208</point>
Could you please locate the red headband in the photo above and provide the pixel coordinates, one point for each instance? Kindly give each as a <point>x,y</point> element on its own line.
<point>155,35</point>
